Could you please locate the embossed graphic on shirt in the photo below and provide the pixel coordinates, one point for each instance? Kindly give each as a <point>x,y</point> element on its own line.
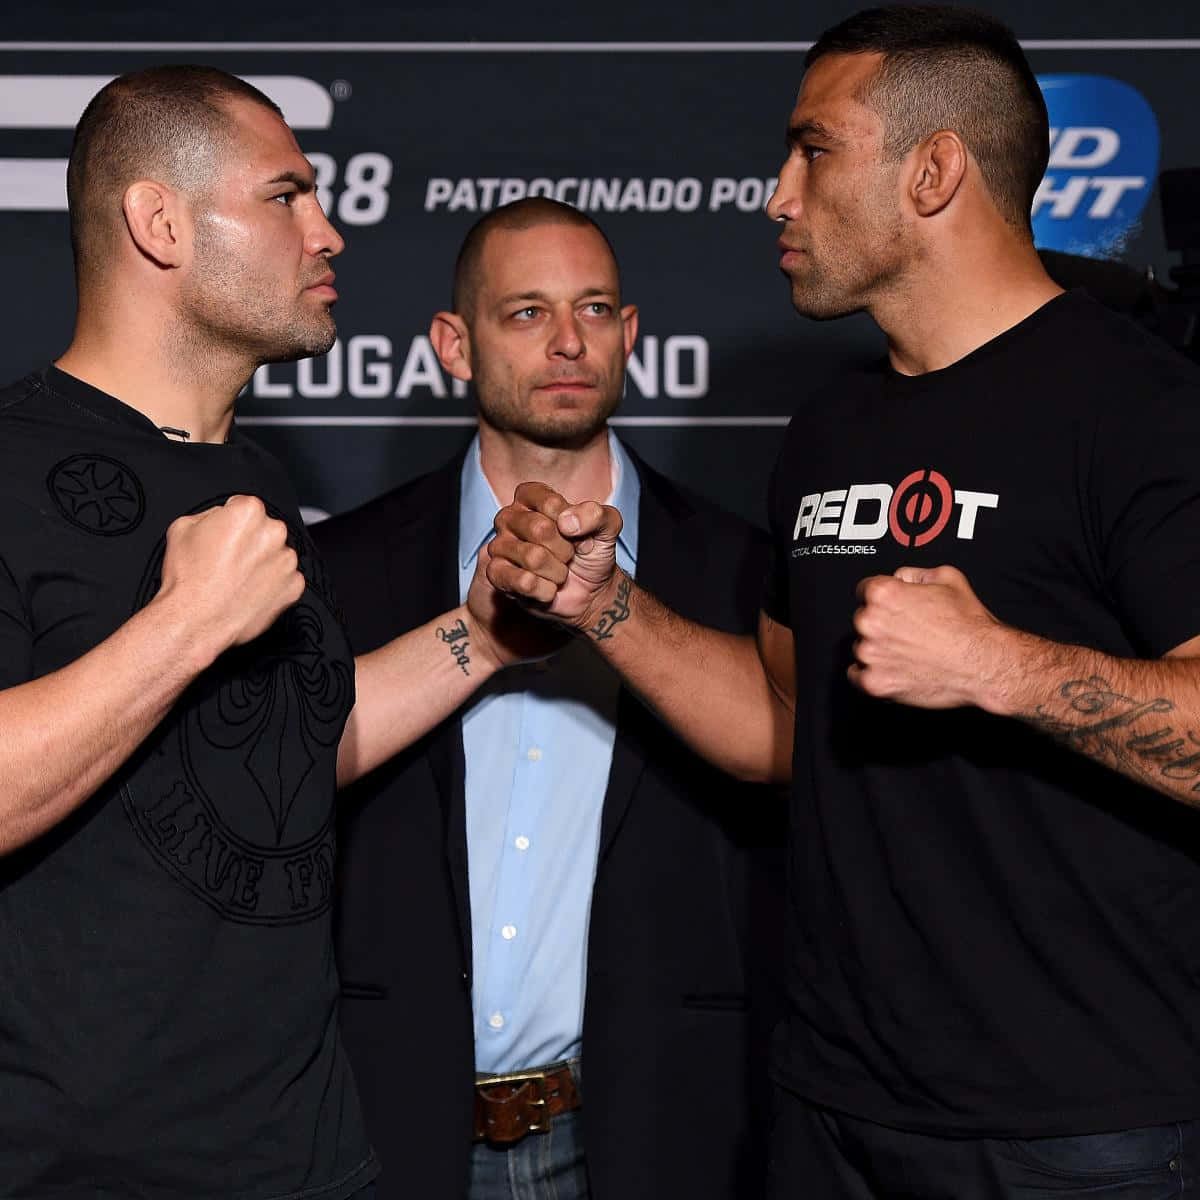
<point>229,801</point>
<point>97,494</point>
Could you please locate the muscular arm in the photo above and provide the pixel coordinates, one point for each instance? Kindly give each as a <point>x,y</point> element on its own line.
<point>415,681</point>
<point>731,698</point>
<point>406,687</point>
<point>925,639</point>
<point>1140,717</point>
<point>227,574</point>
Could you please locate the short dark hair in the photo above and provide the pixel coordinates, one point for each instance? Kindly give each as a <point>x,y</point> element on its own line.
<point>953,68</point>
<point>528,213</point>
<point>163,121</point>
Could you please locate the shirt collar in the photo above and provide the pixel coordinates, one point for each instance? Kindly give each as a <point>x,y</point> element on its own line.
<point>478,503</point>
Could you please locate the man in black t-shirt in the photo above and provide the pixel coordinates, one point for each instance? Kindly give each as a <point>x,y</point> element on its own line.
<point>177,695</point>
<point>977,660</point>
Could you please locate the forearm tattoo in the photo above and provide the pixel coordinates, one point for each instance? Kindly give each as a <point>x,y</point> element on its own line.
<point>611,617</point>
<point>456,638</point>
<point>1125,732</point>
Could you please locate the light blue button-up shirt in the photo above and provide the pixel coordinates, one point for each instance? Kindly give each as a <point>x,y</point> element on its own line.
<point>538,741</point>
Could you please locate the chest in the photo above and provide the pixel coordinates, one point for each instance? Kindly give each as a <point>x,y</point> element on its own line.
<point>1006,499</point>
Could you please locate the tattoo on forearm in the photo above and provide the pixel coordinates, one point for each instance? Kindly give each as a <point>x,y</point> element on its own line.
<point>1167,756</point>
<point>610,618</point>
<point>456,638</point>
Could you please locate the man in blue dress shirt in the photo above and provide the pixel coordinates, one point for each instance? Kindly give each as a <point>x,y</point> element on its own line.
<point>550,867</point>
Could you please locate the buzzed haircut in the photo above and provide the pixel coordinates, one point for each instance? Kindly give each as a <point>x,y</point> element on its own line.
<point>958,69</point>
<point>518,215</point>
<point>167,122</point>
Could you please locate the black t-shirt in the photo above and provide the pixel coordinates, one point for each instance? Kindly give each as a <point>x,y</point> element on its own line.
<point>168,997</point>
<point>990,934</point>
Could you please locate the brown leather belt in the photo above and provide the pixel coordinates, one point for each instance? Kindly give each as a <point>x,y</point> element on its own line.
<point>507,1107</point>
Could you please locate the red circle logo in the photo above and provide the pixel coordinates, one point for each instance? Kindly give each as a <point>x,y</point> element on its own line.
<point>920,507</point>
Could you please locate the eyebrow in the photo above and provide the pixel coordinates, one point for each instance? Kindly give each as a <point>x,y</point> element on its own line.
<point>805,129</point>
<point>514,297</point>
<point>303,183</point>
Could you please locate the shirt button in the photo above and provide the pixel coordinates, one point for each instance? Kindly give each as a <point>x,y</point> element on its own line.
<point>521,842</point>
<point>508,932</point>
<point>533,754</point>
<point>496,1021</point>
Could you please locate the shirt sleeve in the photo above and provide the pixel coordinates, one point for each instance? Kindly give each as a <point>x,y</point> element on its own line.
<point>1148,510</point>
<point>16,636</point>
<point>776,601</point>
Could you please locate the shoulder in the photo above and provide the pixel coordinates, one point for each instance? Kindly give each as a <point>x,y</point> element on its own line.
<point>15,394</point>
<point>1114,357</point>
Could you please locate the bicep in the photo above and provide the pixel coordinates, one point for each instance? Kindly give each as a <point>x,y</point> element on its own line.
<point>777,650</point>
<point>1188,649</point>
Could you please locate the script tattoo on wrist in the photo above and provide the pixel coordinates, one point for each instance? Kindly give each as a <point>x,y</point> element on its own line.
<point>611,617</point>
<point>1112,730</point>
<point>456,638</point>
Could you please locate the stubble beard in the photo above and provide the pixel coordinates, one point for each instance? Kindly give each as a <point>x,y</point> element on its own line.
<point>843,282</point>
<point>234,315</point>
<point>229,310</point>
<point>561,429</point>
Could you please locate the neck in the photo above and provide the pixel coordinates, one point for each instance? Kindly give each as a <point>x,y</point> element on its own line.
<point>960,297</point>
<point>578,473</point>
<point>162,371</point>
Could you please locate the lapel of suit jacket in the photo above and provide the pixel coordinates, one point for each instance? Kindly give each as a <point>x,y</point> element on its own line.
<point>661,569</point>
<point>424,560</point>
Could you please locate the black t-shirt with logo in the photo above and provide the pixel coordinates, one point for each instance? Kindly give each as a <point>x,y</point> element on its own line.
<point>167,987</point>
<point>989,933</point>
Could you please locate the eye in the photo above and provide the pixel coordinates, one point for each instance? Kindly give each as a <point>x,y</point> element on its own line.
<point>599,308</point>
<point>811,152</point>
<point>285,198</point>
<point>525,314</point>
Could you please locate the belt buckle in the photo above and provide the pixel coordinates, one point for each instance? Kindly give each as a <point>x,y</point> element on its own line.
<point>538,1077</point>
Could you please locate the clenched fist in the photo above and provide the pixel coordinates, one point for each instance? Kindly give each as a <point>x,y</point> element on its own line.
<point>557,558</point>
<point>230,572</point>
<point>512,634</point>
<point>925,639</point>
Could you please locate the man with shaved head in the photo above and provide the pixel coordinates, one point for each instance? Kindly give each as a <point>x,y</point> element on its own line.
<point>177,697</point>
<point>978,660</point>
<point>581,989</point>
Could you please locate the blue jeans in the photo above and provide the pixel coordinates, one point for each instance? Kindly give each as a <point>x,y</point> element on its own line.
<point>817,1154</point>
<point>541,1166</point>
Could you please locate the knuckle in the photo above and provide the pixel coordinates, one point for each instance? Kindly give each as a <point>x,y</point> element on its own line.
<point>883,590</point>
<point>542,528</point>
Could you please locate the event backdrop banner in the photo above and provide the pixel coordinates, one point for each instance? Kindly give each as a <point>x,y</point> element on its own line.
<point>672,147</point>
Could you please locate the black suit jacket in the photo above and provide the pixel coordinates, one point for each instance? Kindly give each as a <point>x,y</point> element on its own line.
<point>686,908</point>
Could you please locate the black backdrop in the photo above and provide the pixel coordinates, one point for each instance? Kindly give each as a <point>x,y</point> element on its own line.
<point>665,123</point>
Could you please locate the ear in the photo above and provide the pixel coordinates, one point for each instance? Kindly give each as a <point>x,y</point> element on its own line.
<point>451,342</point>
<point>154,216</point>
<point>939,169</point>
<point>629,324</point>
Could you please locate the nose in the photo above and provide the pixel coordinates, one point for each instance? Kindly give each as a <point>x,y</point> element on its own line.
<point>565,338</point>
<point>321,239</point>
<point>784,204</point>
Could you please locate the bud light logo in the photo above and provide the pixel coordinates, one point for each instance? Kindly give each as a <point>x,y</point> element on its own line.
<point>1103,160</point>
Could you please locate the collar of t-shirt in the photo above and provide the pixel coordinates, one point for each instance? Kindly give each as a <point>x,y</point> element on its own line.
<point>1058,306</point>
<point>109,408</point>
